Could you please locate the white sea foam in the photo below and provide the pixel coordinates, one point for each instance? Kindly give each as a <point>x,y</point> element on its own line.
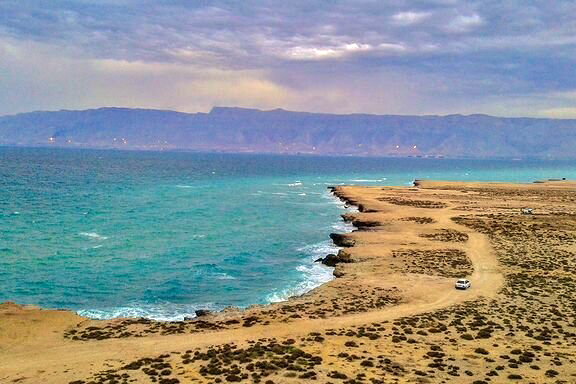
<point>334,200</point>
<point>93,235</point>
<point>369,180</point>
<point>224,276</point>
<point>343,226</point>
<point>330,184</point>
<point>315,276</point>
<point>320,249</point>
<point>160,311</point>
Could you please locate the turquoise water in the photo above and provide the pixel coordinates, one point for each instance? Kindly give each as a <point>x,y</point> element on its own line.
<point>159,235</point>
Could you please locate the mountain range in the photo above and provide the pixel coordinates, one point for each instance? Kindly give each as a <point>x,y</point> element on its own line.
<point>279,131</point>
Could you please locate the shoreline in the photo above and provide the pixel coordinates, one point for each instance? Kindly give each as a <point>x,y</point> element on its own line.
<point>188,317</point>
<point>395,299</point>
<point>349,227</point>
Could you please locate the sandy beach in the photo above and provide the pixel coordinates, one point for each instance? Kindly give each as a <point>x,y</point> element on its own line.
<point>391,315</point>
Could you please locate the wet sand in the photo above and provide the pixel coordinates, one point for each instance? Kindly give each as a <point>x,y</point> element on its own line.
<point>392,315</point>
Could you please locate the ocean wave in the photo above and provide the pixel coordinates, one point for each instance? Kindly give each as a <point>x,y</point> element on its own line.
<point>93,235</point>
<point>343,226</point>
<point>160,311</point>
<point>296,183</point>
<point>320,249</point>
<point>369,180</point>
<point>314,276</point>
<point>336,201</point>
<point>186,186</point>
<point>330,184</point>
<point>224,276</point>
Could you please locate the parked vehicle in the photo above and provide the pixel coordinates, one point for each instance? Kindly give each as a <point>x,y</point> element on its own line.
<point>463,284</point>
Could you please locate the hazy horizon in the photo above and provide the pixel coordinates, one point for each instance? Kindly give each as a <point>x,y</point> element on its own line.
<point>95,108</point>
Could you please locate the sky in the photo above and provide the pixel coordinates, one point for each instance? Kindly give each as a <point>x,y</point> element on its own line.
<point>504,58</point>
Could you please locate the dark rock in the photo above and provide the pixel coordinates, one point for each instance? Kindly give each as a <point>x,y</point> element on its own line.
<point>330,260</point>
<point>348,217</point>
<point>363,224</point>
<point>202,312</point>
<point>344,257</point>
<point>342,240</point>
<point>363,209</point>
<point>338,272</point>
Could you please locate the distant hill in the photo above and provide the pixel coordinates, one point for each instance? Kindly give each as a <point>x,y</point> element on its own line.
<point>280,131</point>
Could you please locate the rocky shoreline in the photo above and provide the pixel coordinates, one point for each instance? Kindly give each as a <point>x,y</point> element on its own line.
<point>393,315</point>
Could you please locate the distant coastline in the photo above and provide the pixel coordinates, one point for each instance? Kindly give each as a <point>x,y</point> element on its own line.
<point>237,130</point>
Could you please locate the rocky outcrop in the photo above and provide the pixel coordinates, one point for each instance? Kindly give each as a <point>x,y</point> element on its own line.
<point>348,217</point>
<point>202,312</point>
<point>338,272</point>
<point>342,240</point>
<point>365,224</point>
<point>331,259</point>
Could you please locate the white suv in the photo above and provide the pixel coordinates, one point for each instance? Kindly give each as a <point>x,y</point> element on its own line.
<point>462,284</point>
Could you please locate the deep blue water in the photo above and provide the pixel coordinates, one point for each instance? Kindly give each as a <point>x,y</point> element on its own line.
<point>154,234</point>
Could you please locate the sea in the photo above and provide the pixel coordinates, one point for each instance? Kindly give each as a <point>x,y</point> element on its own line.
<point>109,233</point>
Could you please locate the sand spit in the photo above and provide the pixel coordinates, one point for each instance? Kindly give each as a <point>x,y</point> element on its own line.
<point>393,315</point>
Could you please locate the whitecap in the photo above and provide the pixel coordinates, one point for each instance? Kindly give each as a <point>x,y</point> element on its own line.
<point>93,235</point>
<point>369,180</point>
<point>224,276</point>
